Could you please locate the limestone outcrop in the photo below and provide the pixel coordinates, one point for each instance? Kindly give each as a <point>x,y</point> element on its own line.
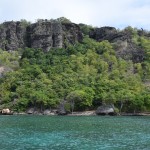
<point>122,40</point>
<point>6,111</point>
<point>42,34</point>
<point>47,34</point>
<point>12,35</point>
<point>105,110</point>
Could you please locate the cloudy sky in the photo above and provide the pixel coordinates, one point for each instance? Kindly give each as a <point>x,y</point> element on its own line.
<point>117,13</point>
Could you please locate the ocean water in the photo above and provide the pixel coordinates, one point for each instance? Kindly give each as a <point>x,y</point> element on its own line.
<point>74,133</point>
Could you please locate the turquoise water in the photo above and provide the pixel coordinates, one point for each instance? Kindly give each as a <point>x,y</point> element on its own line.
<point>74,133</point>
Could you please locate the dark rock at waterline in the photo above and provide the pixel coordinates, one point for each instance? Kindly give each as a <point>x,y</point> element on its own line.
<point>6,111</point>
<point>47,112</point>
<point>105,110</point>
<point>34,111</point>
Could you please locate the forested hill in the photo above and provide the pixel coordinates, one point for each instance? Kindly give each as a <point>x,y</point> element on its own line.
<point>54,62</point>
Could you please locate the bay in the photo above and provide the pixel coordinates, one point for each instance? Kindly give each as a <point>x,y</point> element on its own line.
<point>74,133</point>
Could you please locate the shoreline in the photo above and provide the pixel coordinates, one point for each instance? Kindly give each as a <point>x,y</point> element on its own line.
<point>84,113</point>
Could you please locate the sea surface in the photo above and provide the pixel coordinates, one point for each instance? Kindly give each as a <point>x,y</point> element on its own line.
<point>74,133</point>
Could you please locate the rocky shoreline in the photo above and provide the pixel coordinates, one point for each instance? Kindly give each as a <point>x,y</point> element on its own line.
<point>84,113</point>
<point>104,110</point>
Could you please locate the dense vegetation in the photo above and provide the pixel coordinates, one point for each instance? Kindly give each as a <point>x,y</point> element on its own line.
<point>85,75</point>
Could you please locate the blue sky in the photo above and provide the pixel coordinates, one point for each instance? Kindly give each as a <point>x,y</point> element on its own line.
<point>117,13</point>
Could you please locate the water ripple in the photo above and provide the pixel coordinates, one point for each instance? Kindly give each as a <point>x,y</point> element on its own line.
<point>74,133</point>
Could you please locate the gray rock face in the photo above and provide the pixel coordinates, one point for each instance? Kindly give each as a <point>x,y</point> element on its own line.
<point>124,46</point>
<point>30,111</point>
<point>71,33</point>
<point>12,35</point>
<point>44,35</point>
<point>105,110</point>
<point>48,112</point>
<point>104,33</point>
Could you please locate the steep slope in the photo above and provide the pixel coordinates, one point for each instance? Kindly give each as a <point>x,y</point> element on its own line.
<point>60,63</point>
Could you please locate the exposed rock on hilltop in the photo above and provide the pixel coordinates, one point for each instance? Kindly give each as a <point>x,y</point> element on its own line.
<point>12,35</point>
<point>44,34</point>
<point>71,33</point>
<point>47,34</point>
<point>104,33</point>
<point>122,40</point>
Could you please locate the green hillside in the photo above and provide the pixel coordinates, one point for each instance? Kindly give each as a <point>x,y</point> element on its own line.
<point>84,75</point>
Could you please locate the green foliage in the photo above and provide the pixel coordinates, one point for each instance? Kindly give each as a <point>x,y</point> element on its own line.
<point>24,23</point>
<point>85,28</point>
<point>81,99</point>
<point>145,44</point>
<point>9,59</point>
<point>86,75</point>
<point>63,20</point>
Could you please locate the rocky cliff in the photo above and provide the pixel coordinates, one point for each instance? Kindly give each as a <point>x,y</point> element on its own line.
<point>42,34</point>
<point>12,35</point>
<point>46,34</point>
<point>122,40</point>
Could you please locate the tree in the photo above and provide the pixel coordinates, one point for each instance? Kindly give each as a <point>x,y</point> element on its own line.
<point>80,99</point>
<point>124,95</point>
<point>63,20</point>
<point>24,23</point>
<point>85,28</point>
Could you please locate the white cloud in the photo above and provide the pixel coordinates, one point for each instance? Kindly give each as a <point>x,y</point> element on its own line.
<point>118,13</point>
